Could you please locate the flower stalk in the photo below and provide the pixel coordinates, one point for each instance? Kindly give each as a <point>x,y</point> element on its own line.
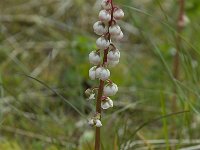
<point>181,23</point>
<point>108,30</point>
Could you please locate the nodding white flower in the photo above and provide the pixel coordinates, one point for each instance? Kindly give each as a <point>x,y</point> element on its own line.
<point>112,63</point>
<point>95,122</point>
<point>100,28</point>
<point>110,90</point>
<point>118,14</point>
<point>107,103</point>
<point>119,36</point>
<point>90,94</point>
<point>113,55</point>
<point>102,43</point>
<point>91,122</point>
<point>98,123</point>
<point>94,58</point>
<point>102,73</point>
<point>114,29</point>
<point>104,15</point>
<point>92,73</point>
<point>106,4</point>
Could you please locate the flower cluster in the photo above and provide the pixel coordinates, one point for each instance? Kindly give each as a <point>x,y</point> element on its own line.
<point>107,28</point>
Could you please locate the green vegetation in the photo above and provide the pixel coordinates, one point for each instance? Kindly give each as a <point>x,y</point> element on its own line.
<point>50,40</point>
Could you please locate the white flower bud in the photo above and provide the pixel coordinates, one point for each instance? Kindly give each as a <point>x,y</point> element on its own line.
<point>114,29</point>
<point>118,13</point>
<point>100,28</point>
<point>110,90</point>
<point>119,37</point>
<point>105,104</point>
<point>94,58</point>
<point>104,16</point>
<point>92,73</point>
<point>102,73</point>
<point>106,4</point>
<point>105,74</point>
<point>112,63</point>
<point>102,43</point>
<point>98,123</point>
<point>113,55</point>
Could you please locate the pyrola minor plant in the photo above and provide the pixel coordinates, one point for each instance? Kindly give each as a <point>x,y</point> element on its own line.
<point>106,55</point>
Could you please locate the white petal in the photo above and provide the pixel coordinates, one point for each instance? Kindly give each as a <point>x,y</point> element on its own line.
<point>110,90</point>
<point>100,28</point>
<point>98,72</point>
<point>94,58</point>
<point>102,43</point>
<point>98,123</point>
<point>107,90</point>
<point>92,73</point>
<point>113,55</point>
<point>114,88</point>
<point>110,102</point>
<point>114,29</point>
<point>119,37</point>
<point>118,14</point>
<point>112,63</point>
<point>105,105</point>
<point>104,16</point>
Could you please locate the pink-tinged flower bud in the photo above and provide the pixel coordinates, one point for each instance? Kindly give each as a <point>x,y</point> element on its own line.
<point>112,63</point>
<point>119,37</point>
<point>102,43</point>
<point>100,28</point>
<point>107,103</point>
<point>113,55</point>
<point>118,13</point>
<point>114,29</point>
<point>106,4</point>
<point>104,16</point>
<point>184,21</point>
<point>102,73</point>
<point>110,90</point>
<point>92,73</point>
<point>94,58</point>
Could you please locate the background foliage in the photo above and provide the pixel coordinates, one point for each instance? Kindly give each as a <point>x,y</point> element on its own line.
<point>50,40</point>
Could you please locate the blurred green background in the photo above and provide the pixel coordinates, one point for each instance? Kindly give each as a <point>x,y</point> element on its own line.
<point>50,40</point>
